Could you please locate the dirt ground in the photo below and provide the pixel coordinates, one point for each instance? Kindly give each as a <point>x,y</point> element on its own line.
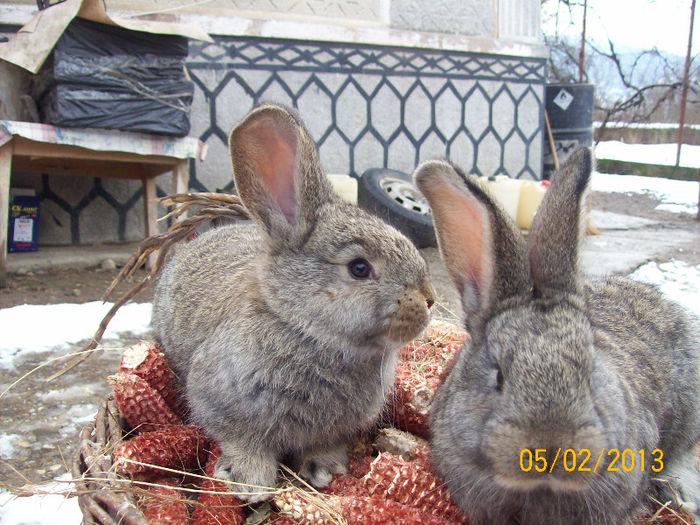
<point>79,286</point>
<point>43,418</point>
<point>65,286</point>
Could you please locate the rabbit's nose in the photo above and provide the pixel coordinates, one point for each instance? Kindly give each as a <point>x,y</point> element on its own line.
<point>429,293</point>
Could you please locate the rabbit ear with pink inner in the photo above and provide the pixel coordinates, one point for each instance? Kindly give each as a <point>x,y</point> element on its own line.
<point>277,172</point>
<point>482,248</point>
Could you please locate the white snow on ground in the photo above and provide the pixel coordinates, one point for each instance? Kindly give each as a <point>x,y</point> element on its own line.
<point>644,125</point>
<point>661,154</point>
<point>62,325</point>
<point>51,507</point>
<point>678,196</point>
<point>7,445</point>
<point>676,279</point>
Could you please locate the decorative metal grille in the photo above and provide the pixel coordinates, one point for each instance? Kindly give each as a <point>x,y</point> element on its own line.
<point>369,106</point>
<point>366,106</point>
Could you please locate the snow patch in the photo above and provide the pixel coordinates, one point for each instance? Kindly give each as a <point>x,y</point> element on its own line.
<point>68,394</point>
<point>63,325</point>
<point>680,196</point>
<point>7,445</point>
<point>50,505</point>
<point>659,154</point>
<point>81,414</point>
<point>676,279</point>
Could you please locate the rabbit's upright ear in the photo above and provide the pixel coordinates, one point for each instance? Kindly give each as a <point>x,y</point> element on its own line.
<point>277,171</point>
<point>559,227</point>
<point>482,249</point>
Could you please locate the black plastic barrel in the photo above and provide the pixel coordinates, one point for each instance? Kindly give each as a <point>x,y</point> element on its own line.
<point>570,111</point>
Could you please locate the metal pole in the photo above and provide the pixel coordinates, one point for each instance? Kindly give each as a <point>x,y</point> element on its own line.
<point>684,91</point>
<point>582,51</point>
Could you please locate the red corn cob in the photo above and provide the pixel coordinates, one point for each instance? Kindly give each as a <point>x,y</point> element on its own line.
<point>345,485</point>
<point>413,394</point>
<point>164,504</point>
<point>216,509</point>
<point>421,454</point>
<point>442,333</point>
<point>358,467</point>
<point>410,483</point>
<point>421,368</point>
<point>147,361</point>
<point>324,509</point>
<point>179,447</point>
<point>276,519</point>
<point>657,515</point>
<point>142,406</point>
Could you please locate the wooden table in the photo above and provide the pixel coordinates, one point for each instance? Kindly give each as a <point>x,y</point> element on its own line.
<point>40,148</point>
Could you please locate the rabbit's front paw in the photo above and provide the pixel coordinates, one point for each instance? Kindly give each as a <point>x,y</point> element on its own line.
<point>689,493</point>
<point>680,483</point>
<point>251,477</point>
<point>320,466</point>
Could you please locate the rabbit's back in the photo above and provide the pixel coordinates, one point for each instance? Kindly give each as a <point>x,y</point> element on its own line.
<point>204,283</point>
<point>654,344</point>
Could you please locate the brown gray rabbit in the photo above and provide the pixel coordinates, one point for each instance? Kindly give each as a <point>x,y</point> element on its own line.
<point>574,399</point>
<point>285,335</point>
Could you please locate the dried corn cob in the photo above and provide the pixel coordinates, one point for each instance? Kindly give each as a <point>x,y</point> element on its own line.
<point>276,519</point>
<point>410,483</point>
<point>142,406</point>
<point>345,485</point>
<point>358,467</point>
<point>179,447</point>
<point>326,509</point>
<point>442,333</point>
<point>165,504</point>
<point>420,370</point>
<point>410,401</point>
<point>398,442</point>
<point>216,509</point>
<point>658,515</point>
<point>147,360</point>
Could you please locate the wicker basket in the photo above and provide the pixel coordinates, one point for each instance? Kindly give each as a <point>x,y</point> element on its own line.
<point>104,498</point>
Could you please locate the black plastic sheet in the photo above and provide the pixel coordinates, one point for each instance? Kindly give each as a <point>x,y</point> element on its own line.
<point>105,76</point>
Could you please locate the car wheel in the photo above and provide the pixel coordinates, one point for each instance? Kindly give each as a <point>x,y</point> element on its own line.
<point>391,195</point>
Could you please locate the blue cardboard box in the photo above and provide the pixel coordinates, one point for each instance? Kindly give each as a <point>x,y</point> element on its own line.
<point>24,224</point>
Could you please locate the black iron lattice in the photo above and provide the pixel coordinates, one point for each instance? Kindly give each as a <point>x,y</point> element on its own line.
<point>353,81</point>
<point>234,60</point>
<point>43,4</point>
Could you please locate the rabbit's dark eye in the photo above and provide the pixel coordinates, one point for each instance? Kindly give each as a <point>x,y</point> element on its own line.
<point>360,269</point>
<point>499,379</point>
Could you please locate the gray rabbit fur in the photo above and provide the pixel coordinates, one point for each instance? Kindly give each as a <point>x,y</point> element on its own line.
<point>285,335</point>
<point>557,362</point>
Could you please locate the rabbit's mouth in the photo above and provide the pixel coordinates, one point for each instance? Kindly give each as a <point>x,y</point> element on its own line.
<point>546,481</point>
<point>561,458</point>
<point>406,327</point>
<point>412,312</point>
<point>404,330</point>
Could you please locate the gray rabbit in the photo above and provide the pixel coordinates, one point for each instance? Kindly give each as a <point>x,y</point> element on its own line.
<point>285,335</point>
<point>575,398</point>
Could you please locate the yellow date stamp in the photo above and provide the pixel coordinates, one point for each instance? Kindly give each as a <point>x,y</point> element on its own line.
<point>581,460</point>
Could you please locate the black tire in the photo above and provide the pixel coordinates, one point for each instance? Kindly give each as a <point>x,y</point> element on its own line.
<point>410,217</point>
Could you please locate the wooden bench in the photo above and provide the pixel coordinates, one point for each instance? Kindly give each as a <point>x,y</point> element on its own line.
<point>41,148</point>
